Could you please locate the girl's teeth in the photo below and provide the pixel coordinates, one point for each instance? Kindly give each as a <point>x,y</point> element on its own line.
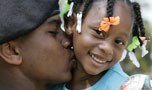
<point>97,60</point>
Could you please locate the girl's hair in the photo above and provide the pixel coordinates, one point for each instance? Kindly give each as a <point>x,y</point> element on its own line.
<point>138,27</point>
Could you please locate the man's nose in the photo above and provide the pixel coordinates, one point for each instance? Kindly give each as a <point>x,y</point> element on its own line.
<point>66,41</point>
<point>106,48</point>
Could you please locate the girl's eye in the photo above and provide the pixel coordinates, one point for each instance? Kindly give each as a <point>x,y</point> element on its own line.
<point>119,42</point>
<point>100,33</point>
<point>53,32</point>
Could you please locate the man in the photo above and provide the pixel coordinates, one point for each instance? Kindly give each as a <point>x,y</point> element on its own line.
<point>33,49</point>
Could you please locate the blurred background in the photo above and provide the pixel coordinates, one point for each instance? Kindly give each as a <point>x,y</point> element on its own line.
<point>146,62</point>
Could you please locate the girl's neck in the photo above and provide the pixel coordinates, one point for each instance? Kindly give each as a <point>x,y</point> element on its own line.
<point>82,80</point>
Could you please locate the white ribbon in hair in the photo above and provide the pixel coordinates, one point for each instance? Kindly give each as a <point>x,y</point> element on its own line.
<point>62,23</point>
<point>143,48</point>
<point>62,7</point>
<point>79,22</point>
<point>70,9</point>
<point>134,60</point>
<point>123,55</point>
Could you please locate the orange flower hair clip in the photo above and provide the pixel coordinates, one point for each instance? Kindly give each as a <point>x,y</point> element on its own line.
<point>107,22</point>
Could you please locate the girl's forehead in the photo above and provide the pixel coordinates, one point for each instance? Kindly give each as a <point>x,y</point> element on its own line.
<point>100,4</point>
<point>98,12</point>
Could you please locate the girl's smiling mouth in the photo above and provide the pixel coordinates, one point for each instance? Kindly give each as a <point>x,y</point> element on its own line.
<point>98,60</point>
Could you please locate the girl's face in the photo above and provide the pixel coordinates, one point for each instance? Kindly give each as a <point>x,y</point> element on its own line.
<point>98,51</point>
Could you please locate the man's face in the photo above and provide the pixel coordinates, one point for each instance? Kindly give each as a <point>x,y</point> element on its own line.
<point>45,53</point>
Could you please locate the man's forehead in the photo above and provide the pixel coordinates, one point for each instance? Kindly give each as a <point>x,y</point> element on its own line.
<point>54,19</point>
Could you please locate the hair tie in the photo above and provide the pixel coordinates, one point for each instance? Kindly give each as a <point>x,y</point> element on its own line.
<point>144,38</point>
<point>143,47</point>
<point>64,8</point>
<point>79,22</point>
<point>70,9</point>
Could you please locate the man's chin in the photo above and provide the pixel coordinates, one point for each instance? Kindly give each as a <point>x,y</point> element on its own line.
<point>66,78</point>
<point>62,79</point>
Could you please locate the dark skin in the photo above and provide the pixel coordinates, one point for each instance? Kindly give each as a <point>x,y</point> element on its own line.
<point>91,45</point>
<point>36,59</point>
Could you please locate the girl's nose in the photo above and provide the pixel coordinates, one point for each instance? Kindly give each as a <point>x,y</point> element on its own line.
<point>106,48</point>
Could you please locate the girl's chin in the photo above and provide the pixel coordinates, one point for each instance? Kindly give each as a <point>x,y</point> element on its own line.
<point>93,72</point>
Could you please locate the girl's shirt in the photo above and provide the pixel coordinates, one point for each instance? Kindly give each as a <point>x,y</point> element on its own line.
<point>112,80</point>
<point>137,82</point>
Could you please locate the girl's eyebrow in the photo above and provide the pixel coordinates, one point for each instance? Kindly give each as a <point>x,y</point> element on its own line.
<point>124,34</point>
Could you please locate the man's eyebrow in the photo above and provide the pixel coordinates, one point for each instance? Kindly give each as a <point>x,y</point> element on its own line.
<point>54,21</point>
<point>55,12</point>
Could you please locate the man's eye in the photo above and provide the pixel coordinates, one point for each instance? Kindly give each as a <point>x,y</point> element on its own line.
<point>119,42</point>
<point>100,33</point>
<point>53,32</point>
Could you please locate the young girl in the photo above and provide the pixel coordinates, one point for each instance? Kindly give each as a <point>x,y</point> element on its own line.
<point>98,45</point>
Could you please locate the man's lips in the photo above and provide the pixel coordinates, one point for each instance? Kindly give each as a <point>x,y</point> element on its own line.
<point>72,59</point>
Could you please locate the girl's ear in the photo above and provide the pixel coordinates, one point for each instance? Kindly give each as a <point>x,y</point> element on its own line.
<point>10,53</point>
<point>71,24</point>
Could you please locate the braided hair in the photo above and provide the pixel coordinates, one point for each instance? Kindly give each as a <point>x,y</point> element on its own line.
<point>138,18</point>
<point>110,5</point>
<point>138,27</point>
<point>78,4</point>
<point>88,4</point>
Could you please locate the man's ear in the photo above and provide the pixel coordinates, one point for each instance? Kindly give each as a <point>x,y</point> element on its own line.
<point>71,24</point>
<point>10,53</point>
